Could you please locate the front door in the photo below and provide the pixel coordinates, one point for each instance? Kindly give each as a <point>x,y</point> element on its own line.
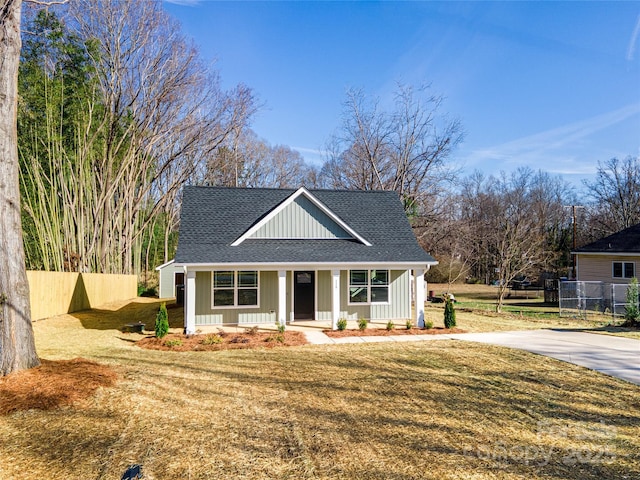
<point>304,295</point>
<point>179,282</point>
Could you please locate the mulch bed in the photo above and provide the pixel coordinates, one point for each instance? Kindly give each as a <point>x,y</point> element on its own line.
<point>383,332</point>
<point>223,341</point>
<point>53,384</point>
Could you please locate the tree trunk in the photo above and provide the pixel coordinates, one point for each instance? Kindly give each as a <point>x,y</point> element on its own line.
<point>17,345</point>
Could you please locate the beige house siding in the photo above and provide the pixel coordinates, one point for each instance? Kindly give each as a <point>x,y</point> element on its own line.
<point>599,268</point>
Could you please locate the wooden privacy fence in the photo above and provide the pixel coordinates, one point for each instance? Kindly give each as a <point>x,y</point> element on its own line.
<point>55,293</point>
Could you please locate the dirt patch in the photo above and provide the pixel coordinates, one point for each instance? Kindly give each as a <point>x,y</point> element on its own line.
<point>53,384</point>
<point>383,332</point>
<point>223,341</point>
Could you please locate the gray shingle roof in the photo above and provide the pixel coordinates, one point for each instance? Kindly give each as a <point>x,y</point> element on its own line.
<point>625,241</point>
<point>214,217</point>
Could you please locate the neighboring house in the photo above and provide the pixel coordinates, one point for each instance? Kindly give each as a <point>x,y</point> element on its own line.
<point>171,281</point>
<point>282,255</point>
<point>613,259</point>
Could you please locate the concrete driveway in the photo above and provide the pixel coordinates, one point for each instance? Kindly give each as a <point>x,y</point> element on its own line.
<point>615,356</point>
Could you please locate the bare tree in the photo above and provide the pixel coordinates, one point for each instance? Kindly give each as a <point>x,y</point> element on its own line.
<point>17,345</point>
<point>615,197</point>
<point>405,149</point>
<point>155,114</point>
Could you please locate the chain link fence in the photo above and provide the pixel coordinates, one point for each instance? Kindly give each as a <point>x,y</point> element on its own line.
<point>579,299</point>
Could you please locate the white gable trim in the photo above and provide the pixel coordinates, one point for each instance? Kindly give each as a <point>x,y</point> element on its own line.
<point>165,264</point>
<point>287,202</point>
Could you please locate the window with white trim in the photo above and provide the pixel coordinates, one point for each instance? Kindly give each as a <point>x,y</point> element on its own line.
<point>235,289</point>
<point>368,286</point>
<point>624,269</point>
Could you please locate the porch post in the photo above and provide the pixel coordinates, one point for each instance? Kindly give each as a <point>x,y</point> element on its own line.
<point>418,277</point>
<point>335,298</point>
<point>190,304</point>
<point>282,297</point>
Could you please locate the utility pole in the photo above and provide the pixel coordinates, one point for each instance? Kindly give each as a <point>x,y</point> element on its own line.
<point>574,223</point>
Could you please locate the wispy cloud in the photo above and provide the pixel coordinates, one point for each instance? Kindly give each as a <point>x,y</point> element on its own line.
<point>311,155</point>
<point>186,3</point>
<point>554,150</point>
<point>631,50</point>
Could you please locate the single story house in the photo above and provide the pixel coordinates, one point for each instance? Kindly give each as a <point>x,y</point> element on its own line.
<point>257,255</point>
<point>613,259</point>
<point>171,281</point>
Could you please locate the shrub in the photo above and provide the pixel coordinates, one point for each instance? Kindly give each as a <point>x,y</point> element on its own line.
<point>144,291</point>
<point>390,325</point>
<point>342,324</point>
<point>409,324</point>
<point>428,324</point>
<point>632,313</point>
<point>449,314</point>
<point>162,321</point>
<point>251,331</point>
<point>275,338</point>
<point>281,328</point>
<point>212,339</point>
<point>173,342</point>
<point>362,324</point>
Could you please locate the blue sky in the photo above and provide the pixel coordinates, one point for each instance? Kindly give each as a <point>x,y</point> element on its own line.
<point>550,85</point>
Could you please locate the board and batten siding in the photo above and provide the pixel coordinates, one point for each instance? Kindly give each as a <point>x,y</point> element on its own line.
<point>599,268</point>
<point>265,313</point>
<point>398,308</point>
<point>301,219</point>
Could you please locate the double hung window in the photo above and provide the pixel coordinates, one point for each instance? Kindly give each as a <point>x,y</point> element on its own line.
<point>368,286</point>
<point>624,269</point>
<point>235,289</point>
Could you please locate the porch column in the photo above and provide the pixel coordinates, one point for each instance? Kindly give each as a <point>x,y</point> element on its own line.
<point>418,290</point>
<point>282,297</point>
<point>335,298</point>
<point>190,303</point>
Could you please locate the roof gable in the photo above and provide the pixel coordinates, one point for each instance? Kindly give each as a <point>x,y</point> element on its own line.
<point>301,216</point>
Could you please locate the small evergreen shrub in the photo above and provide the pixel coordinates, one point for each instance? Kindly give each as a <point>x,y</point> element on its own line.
<point>362,324</point>
<point>428,324</point>
<point>173,342</point>
<point>632,312</point>
<point>342,324</point>
<point>409,324</point>
<point>449,314</point>
<point>281,328</point>
<point>162,321</point>
<point>390,325</point>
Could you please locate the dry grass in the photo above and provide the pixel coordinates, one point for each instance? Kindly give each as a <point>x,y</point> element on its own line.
<point>428,410</point>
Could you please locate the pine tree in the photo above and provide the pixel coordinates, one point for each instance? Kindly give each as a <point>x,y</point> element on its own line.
<point>162,321</point>
<point>449,314</point>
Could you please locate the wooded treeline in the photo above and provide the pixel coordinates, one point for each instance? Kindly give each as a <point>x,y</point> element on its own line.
<point>117,111</point>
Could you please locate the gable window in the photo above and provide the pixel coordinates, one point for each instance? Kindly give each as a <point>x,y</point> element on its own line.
<point>624,269</point>
<point>235,289</point>
<point>368,286</point>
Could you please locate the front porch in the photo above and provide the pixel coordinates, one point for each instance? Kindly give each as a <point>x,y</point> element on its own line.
<point>291,296</point>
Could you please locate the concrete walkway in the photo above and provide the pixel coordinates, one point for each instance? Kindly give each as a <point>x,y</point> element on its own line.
<point>615,356</point>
